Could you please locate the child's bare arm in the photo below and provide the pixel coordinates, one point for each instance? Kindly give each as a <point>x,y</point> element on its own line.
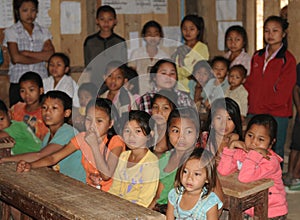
<point>157,195</point>
<point>212,214</point>
<point>18,57</point>
<point>43,55</point>
<point>170,212</point>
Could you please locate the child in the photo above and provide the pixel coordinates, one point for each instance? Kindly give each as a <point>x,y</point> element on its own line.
<point>236,77</point>
<point>137,174</point>
<point>143,58</point>
<point>187,55</point>
<point>164,76</point>
<point>224,126</point>
<point>272,78</point>
<point>255,160</point>
<point>56,109</point>
<point>193,196</point>
<point>216,87</point>
<point>99,138</point>
<point>29,111</point>
<point>132,81</point>
<point>162,105</point>
<point>95,44</point>
<point>59,79</point>
<point>29,45</point>
<point>236,44</point>
<point>17,133</point>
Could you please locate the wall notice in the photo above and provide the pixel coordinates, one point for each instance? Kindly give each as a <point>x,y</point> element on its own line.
<point>70,18</point>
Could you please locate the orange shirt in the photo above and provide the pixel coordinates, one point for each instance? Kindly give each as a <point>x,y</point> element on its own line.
<point>88,161</point>
<point>33,119</point>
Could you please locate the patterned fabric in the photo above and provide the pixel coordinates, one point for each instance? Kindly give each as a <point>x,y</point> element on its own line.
<point>240,95</point>
<point>243,58</point>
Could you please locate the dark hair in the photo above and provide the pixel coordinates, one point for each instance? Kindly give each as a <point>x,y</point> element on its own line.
<point>106,8</point>
<point>240,68</point>
<point>117,65</point>
<point>132,76</point>
<point>156,66</point>
<point>154,24</point>
<point>170,96</point>
<point>267,121</point>
<point>89,87</point>
<point>207,160</point>
<point>17,5</point>
<point>65,59</point>
<point>32,76</point>
<point>220,59</point>
<point>283,23</point>
<point>240,30</point>
<point>3,107</point>
<point>198,22</point>
<point>202,64</point>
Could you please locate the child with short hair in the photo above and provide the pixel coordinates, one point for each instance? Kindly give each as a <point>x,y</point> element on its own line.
<point>236,77</point>
<point>255,160</point>
<point>29,111</point>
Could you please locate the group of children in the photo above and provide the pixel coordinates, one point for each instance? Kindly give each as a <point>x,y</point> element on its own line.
<point>149,147</point>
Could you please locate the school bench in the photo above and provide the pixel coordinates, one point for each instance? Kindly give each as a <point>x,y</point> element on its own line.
<point>45,194</point>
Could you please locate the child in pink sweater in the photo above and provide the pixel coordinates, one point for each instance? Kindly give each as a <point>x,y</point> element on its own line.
<point>255,160</point>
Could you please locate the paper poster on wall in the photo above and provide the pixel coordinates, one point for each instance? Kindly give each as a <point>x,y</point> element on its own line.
<point>43,17</point>
<point>70,18</point>
<point>225,10</point>
<point>6,12</point>
<point>138,6</point>
<point>172,36</point>
<point>222,27</point>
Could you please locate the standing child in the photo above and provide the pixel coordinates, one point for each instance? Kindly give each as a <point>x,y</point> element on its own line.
<point>59,79</point>
<point>236,77</point>
<point>137,174</point>
<point>236,45</point>
<point>29,111</point>
<point>187,55</point>
<point>193,196</point>
<point>29,45</point>
<point>255,160</point>
<point>99,138</point>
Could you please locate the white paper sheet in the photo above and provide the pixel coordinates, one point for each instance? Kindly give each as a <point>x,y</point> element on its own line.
<point>225,10</point>
<point>172,36</point>
<point>70,18</point>
<point>6,12</point>
<point>222,27</point>
<point>43,17</point>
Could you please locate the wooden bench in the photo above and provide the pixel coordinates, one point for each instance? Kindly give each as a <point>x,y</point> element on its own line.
<point>45,194</point>
<point>242,196</point>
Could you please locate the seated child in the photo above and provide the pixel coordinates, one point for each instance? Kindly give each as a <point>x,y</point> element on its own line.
<point>29,111</point>
<point>255,160</point>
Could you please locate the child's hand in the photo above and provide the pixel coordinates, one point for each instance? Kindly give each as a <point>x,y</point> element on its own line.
<point>95,178</point>
<point>23,166</point>
<point>7,140</point>
<point>264,152</point>
<point>92,138</point>
<point>239,145</point>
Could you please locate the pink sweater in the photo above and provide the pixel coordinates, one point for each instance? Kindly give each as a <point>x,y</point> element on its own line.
<point>252,166</point>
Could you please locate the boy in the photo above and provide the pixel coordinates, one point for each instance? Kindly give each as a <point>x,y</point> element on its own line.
<point>236,91</point>
<point>96,43</point>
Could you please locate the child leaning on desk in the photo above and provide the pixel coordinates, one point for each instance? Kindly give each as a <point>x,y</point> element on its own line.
<point>255,160</point>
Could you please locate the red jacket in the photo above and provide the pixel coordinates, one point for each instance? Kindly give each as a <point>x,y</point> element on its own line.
<point>270,91</point>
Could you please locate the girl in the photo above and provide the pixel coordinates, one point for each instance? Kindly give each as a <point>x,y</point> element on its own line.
<point>162,105</point>
<point>164,76</point>
<point>236,45</point>
<point>224,126</point>
<point>59,79</point>
<point>272,78</point>
<point>99,146</point>
<point>137,174</point>
<point>29,45</point>
<point>193,196</point>
<point>255,160</point>
<point>29,111</point>
<point>143,58</point>
<point>187,55</point>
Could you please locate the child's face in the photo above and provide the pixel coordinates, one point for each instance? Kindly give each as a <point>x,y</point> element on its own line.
<point>106,21</point>
<point>4,120</point>
<point>27,12</point>
<point>194,176</point>
<point>161,107</point>
<point>30,92</point>
<point>220,70</point>
<point>57,68</point>
<point>235,79</point>
<point>97,120</point>
<point>84,97</point>
<point>222,123</point>
<point>182,133</point>
<point>235,42</point>
<point>258,137</point>
<point>134,136</point>
<point>114,79</point>
<point>152,36</point>
<point>189,31</point>
<point>202,75</point>
<point>273,33</point>
<point>166,76</point>
<point>53,112</point>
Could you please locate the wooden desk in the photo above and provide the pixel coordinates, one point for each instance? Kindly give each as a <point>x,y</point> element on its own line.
<point>45,194</point>
<point>242,196</point>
